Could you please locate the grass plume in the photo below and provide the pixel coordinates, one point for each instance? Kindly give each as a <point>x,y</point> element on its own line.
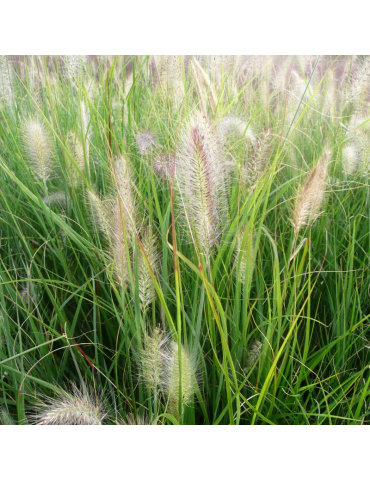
<point>39,148</point>
<point>200,178</point>
<point>78,407</point>
<point>311,194</point>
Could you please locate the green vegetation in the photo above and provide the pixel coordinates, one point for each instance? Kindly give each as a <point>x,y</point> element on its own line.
<point>185,240</point>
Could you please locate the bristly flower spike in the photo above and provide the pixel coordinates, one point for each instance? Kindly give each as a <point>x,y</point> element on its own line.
<point>200,177</point>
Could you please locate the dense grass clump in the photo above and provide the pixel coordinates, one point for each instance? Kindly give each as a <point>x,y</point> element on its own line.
<point>184,240</point>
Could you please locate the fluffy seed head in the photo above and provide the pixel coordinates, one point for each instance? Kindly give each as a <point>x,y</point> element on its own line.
<point>257,160</point>
<point>312,193</point>
<point>119,253</point>
<point>169,68</point>
<point>147,291</point>
<point>179,366</point>
<point>164,165</point>
<point>55,198</point>
<point>350,159</point>
<point>160,364</point>
<point>100,213</point>
<point>152,359</point>
<point>39,148</point>
<point>228,125</point>
<point>203,85</point>
<point>126,197</point>
<point>73,65</point>
<point>200,178</point>
<point>131,420</point>
<point>78,407</point>
<point>108,217</point>
<point>77,152</point>
<point>145,142</point>
<point>359,79</point>
<point>356,152</point>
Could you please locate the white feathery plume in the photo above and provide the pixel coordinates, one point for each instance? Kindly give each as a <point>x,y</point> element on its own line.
<point>77,152</point>
<point>55,198</point>
<point>147,292</point>
<point>203,84</point>
<point>200,177</point>
<point>256,162</point>
<point>101,213</point>
<point>152,359</point>
<point>228,125</point>
<point>131,420</point>
<point>330,94</point>
<point>169,68</point>
<point>164,165</point>
<point>113,218</point>
<point>73,65</point>
<point>78,407</point>
<point>145,142</point>
<point>163,364</point>
<point>356,152</point>
<point>359,79</point>
<point>125,192</point>
<point>119,252</point>
<point>312,194</point>
<point>351,159</point>
<point>39,148</point>
<point>180,366</point>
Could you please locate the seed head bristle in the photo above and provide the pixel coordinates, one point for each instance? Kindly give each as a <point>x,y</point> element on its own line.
<point>356,153</point>
<point>126,197</point>
<point>200,177</point>
<point>311,195</point>
<point>119,251</point>
<point>203,85</point>
<point>55,198</point>
<point>77,152</point>
<point>169,68</point>
<point>147,290</point>
<point>138,420</point>
<point>164,165</point>
<point>359,79</point>
<point>78,407</point>
<point>145,142</point>
<point>152,359</point>
<point>228,125</point>
<point>187,374</point>
<point>257,160</point>
<point>39,148</point>
<point>73,65</point>
<point>350,159</point>
<point>101,214</point>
